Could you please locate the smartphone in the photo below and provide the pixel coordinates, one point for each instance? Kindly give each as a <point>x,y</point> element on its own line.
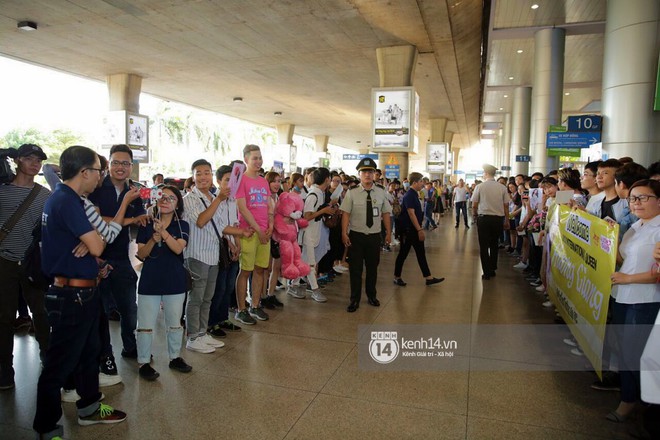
<point>145,193</point>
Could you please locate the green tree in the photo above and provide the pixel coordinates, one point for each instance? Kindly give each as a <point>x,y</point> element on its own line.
<point>17,137</point>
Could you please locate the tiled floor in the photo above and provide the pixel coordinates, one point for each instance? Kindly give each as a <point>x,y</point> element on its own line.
<point>297,376</point>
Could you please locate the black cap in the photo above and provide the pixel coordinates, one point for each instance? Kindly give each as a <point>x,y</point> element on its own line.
<point>26,150</point>
<point>366,164</point>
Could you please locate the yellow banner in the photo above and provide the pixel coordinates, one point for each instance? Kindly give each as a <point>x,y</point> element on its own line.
<point>582,258</point>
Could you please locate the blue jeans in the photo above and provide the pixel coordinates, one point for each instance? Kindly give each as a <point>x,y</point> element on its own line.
<point>428,216</point>
<point>461,206</point>
<point>74,348</point>
<point>225,288</point>
<point>121,284</point>
<point>632,326</point>
<point>149,306</point>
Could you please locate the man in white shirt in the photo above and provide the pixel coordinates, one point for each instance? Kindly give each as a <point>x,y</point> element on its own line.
<point>460,200</point>
<point>490,207</point>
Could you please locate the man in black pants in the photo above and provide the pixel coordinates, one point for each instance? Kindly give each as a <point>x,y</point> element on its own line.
<point>72,301</point>
<point>490,206</point>
<point>364,207</point>
<point>412,233</point>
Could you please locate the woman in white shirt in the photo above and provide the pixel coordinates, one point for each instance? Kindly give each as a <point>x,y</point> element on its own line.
<point>636,291</point>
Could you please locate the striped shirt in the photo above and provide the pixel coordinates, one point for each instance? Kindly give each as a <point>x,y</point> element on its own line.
<point>13,247</point>
<point>109,231</point>
<point>204,244</point>
<point>228,213</point>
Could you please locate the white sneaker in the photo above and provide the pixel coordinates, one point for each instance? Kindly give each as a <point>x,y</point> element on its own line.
<point>71,396</point>
<point>210,341</point>
<point>340,268</point>
<point>294,292</point>
<point>548,304</point>
<point>520,265</point>
<point>540,288</point>
<point>570,341</point>
<point>577,352</point>
<point>199,346</point>
<point>108,380</point>
<point>318,296</point>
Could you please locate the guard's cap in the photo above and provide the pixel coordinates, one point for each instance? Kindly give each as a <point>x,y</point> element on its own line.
<point>29,149</point>
<point>366,164</point>
<point>490,169</point>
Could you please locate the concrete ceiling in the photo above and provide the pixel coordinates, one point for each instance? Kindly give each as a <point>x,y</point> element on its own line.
<point>315,60</point>
<point>512,27</point>
<point>312,60</point>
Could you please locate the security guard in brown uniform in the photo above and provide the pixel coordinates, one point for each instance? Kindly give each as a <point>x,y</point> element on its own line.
<point>364,207</point>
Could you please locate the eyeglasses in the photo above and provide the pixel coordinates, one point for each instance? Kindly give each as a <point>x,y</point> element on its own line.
<point>96,169</point>
<point>125,163</point>
<point>643,198</point>
<point>168,199</point>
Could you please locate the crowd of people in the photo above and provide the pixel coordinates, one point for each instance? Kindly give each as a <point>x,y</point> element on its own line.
<point>215,254</point>
<point>510,214</point>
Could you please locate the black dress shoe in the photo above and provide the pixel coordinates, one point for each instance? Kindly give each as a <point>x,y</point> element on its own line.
<point>353,306</point>
<point>485,277</point>
<point>434,281</point>
<point>400,282</point>
<point>374,302</point>
<point>133,354</point>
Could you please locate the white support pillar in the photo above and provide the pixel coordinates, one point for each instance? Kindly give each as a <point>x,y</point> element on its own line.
<point>547,95</point>
<point>520,120</point>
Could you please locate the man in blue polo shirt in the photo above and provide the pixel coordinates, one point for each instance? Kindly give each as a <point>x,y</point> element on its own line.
<point>72,301</point>
<point>411,232</point>
<point>122,281</point>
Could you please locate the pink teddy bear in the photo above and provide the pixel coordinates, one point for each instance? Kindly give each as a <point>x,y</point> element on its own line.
<point>288,221</point>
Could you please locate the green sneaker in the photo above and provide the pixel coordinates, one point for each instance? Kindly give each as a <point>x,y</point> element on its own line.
<point>105,414</point>
<point>244,317</point>
<point>258,313</point>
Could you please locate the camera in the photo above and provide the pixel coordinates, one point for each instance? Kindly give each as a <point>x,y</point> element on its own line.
<point>6,171</point>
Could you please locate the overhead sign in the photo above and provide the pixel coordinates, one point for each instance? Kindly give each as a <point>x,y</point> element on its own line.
<point>394,119</point>
<point>523,158</point>
<point>572,139</point>
<point>572,152</point>
<point>359,156</point>
<point>392,171</point>
<point>436,157</point>
<point>121,127</point>
<point>585,123</point>
<point>557,129</point>
<point>505,168</point>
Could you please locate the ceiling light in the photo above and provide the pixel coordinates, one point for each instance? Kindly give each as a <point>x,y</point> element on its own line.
<point>519,51</point>
<point>27,25</point>
<point>501,108</point>
<point>535,6</point>
<point>238,99</point>
<point>510,78</point>
<point>567,93</point>
<point>506,96</point>
<point>278,113</point>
